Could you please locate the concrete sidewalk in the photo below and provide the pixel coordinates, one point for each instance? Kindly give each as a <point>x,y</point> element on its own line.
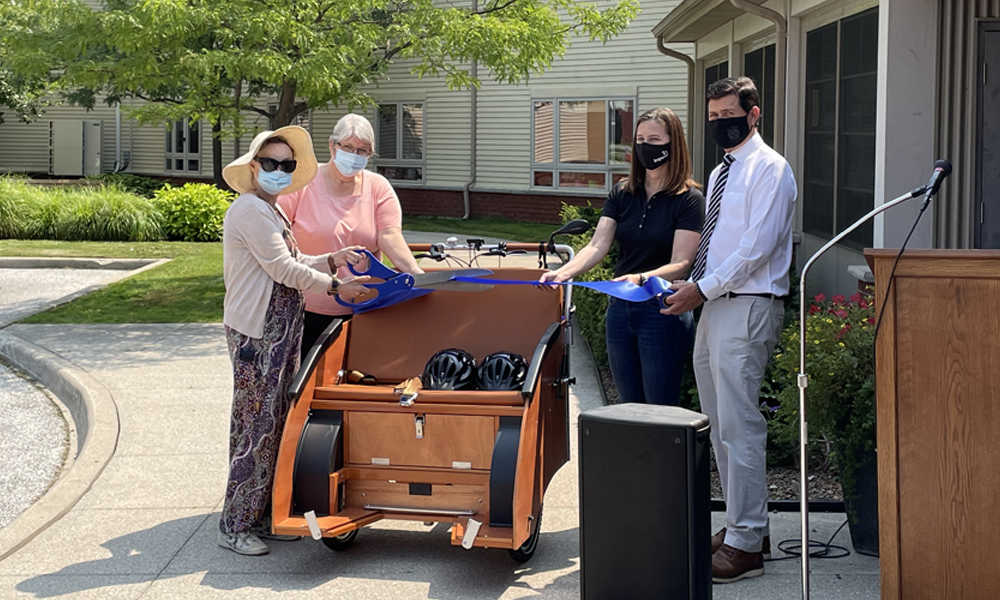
<point>147,527</point>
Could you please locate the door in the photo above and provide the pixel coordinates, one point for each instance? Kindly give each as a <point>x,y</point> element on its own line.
<point>91,148</point>
<point>988,145</point>
<point>66,143</point>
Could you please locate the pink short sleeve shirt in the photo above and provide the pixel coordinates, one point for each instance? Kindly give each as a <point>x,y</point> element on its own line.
<point>324,223</point>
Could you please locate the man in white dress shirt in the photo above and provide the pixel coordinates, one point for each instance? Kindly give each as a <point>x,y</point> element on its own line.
<point>741,275</point>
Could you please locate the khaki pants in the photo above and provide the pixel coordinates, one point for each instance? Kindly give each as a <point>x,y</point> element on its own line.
<point>734,341</point>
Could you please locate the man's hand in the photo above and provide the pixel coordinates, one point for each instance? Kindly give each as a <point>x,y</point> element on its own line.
<point>684,298</point>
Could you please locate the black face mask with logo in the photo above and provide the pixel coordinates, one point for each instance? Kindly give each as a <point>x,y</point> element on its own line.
<point>653,156</point>
<point>730,132</point>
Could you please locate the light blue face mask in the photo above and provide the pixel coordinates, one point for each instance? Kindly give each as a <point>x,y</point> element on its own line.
<point>349,164</point>
<point>274,182</point>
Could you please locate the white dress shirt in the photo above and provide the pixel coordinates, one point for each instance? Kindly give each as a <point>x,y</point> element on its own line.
<point>750,251</point>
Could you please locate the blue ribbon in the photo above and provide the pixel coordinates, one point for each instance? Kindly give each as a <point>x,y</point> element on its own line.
<point>654,287</point>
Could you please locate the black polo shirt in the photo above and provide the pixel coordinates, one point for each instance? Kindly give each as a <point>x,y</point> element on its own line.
<point>645,231</point>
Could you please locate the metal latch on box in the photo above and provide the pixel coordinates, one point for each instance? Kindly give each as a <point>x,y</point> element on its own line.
<point>418,422</point>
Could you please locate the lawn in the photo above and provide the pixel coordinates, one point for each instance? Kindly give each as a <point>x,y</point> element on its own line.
<point>189,288</point>
<point>513,231</point>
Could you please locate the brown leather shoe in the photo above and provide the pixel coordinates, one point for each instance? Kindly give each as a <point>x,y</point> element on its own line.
<point>730,564</point>
<point>720,537</point>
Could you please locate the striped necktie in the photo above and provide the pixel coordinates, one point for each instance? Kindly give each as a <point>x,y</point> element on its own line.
<point>711,219</point>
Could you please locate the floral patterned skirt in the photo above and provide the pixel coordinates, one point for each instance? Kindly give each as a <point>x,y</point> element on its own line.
<point>263,369</point>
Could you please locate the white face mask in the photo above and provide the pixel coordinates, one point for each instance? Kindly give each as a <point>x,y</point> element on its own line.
<point>349,164</point>
<point>274,182</point>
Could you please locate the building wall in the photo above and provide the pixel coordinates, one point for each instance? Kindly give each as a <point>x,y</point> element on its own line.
<point>955,214</point>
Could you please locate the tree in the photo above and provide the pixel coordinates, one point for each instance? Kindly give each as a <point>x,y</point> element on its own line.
<point>219,59</point>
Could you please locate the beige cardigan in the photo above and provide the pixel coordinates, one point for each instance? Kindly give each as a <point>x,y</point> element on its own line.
<point>254,256</point>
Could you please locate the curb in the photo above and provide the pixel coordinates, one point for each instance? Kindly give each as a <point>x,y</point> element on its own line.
<point>95,417</point>
<point>31,262</point>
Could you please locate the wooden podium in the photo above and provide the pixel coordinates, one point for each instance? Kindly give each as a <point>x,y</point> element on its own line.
<point>938,389</point>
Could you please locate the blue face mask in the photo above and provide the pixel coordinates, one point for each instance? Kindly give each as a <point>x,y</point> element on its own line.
<point>274,182</point>
<point>349,164</point>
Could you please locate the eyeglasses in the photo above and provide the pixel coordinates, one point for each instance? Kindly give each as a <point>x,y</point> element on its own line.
<point>270,164</point>
<point>359,151</point>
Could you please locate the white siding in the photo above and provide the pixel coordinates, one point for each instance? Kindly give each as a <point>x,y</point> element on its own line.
<point>629,65</point>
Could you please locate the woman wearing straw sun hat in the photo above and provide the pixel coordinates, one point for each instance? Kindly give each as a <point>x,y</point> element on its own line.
<point>265,275</point>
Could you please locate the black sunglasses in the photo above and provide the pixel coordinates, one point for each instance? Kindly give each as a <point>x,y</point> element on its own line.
<point>270,164</point>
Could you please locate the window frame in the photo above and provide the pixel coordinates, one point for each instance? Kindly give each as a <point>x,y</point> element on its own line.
<point>839,185</point>
<point>379,162</point>
<point>556,167</point>
<point>170,155</point>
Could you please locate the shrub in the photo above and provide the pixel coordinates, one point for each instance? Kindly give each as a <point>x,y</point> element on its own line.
<point>840,361</point>
<point>137,184</point>
<point>591,306</point>
<point>194,212</point>
<point>107,214</point>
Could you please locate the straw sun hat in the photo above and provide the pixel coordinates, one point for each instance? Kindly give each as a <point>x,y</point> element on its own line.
<point>239,177</point>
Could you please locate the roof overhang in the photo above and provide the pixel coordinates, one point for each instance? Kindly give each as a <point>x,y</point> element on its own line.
<point>692,20</point>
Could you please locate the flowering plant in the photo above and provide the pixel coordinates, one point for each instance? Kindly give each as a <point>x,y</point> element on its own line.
<point>840,363</point>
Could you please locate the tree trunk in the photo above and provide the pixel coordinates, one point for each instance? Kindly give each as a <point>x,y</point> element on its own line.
<point>286,105</point>
<point>217,155</point>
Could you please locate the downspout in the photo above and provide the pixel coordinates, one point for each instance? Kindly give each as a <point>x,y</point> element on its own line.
<point>690,67</point>
<point>118,137</point>
<point>780,59</point>
<point>472,145</point>
<point>474,114</point>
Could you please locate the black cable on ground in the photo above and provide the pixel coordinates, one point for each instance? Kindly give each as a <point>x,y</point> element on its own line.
<point>793,548</point>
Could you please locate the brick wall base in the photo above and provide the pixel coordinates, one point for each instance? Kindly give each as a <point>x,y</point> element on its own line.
<point>536,208</point>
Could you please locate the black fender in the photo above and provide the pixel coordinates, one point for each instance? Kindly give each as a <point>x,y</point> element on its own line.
<point>308,365</point>
<point>319,454</point>
<point>503,470</point>
<point>546,343</point>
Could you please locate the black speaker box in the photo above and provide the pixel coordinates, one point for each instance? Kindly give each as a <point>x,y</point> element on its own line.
<point>645,504</point>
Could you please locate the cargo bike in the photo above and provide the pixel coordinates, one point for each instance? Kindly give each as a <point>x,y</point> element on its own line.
<point>363,443</point>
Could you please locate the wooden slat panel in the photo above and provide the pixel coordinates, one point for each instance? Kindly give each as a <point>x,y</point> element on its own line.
<point>447,438</point>
<point>417,475</point>
<point>430,409</point>
<point>488,537</point>
<point>360,492</point>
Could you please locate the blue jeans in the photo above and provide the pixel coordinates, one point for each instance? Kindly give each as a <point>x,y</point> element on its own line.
<point>647,351</point>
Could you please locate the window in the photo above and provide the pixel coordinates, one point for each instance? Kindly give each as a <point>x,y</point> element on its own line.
<point>839,157</point>
<point>712,152</point>
<point>759,66</point>
<point>183,147</point>
<point>581,144</point>
<point>400,141</point>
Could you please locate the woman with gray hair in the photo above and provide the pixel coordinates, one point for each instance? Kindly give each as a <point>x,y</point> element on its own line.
<point>346,205</point>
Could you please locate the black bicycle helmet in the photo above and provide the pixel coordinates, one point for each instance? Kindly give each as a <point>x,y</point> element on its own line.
<point>450,369</point>
<point>502,371</point>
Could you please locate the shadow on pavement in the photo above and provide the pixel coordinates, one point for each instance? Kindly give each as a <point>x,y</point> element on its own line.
<point>378,559</point>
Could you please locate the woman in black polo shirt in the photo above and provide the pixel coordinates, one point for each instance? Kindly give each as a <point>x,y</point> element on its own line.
<point>656,216</point>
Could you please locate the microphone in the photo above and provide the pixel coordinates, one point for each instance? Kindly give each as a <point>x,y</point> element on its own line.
<point>942,169</point>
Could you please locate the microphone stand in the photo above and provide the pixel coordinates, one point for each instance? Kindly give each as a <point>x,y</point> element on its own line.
<point>803,379</point>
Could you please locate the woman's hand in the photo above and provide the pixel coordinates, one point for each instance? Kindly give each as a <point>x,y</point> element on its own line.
<point>631,278</point>
<point>349,255</point>
<point>553,277</point>
<point>351,287</point>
